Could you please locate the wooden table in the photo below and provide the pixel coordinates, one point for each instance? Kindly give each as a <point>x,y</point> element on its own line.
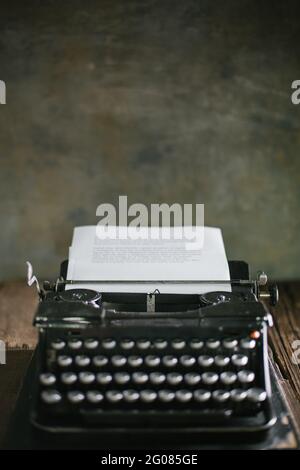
<point>17,304</point>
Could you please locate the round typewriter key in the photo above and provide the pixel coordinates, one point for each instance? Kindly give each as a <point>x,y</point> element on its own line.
<point>114,396</point>
<point>192,378</point>
<point>127,343</point>
<point>228,377</point>
<point>75,343</point>
<point>166,395</point>
<point>239,360</point>
<point>174,378</point>
<point>100,361</point>
<point>143,343</point>
<point>256,395</point>
<point>246,376</point>
<point>68,378</point>
<point>75,396</point>
<point>230,343</point>
<point>169,361</point>
<point>58,344</point>
<point>108,343</point>
<point>248,343</point>
<point>222,361</point>
<point>64,361</point>
<point>209,378</point>
<point>140,377</point>
<point>131,395</point>
<point>183,395</point>
<point>93,396</point>
<point>157,378</point>
<point>205,361</point>
<point>255,334</point>
<point>178,343</point>
<point>187,361</point>
<point>202,395</point>
<point>91,343</point>
<point>148,395</point>
<point>104,378</point>
<point>237,395</point>
<point>160,343</point>
<point>135,361</point>
<point>152,361</point>
<point>196,343</point>
<point>47,378</point>
<point>118,360</point>
<point>86,377</point>
<point>51,397</point>
<point>82,361</point>
<point>220,396</point>
<point>212,344</point>
<point>121,378</point>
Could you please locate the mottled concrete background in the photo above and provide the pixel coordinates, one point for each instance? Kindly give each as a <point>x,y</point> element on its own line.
<point>165,101</point>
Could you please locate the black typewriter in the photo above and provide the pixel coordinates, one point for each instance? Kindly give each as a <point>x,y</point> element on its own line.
<point>154,363</point>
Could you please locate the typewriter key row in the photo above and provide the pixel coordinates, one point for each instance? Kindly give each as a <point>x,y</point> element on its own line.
<point>159,343</point>
<point>156,378</point>
<point>254,395</point>
<point>237,360</point>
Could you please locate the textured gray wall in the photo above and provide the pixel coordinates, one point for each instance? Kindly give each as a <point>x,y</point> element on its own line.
<point>164,101</point>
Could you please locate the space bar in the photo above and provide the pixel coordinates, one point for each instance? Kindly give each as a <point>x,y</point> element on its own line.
<point>164,419</point>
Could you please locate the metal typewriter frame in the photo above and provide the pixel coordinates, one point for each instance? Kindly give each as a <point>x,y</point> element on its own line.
<point>261,281</point>
<point>260,294</point>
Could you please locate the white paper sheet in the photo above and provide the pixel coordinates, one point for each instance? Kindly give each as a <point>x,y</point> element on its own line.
<point>91,258</point>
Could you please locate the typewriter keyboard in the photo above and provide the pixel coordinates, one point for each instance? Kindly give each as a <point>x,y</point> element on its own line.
<point>116,376</point>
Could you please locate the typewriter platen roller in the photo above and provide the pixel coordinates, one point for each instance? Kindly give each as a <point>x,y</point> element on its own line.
<point>154,363</point>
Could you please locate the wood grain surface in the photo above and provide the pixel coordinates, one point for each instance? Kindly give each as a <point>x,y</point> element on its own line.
<point>18,303</point>
<point>286,330</point>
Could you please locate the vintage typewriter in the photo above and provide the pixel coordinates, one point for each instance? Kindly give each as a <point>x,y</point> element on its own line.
<point>153,363</point>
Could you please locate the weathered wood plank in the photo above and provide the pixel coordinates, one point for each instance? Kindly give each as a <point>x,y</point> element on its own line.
<point>286,330</point>
<point>17,306</point>
<point>18,303</point>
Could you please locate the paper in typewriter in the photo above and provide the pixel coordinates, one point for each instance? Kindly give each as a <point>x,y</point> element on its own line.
<point>155,258</point>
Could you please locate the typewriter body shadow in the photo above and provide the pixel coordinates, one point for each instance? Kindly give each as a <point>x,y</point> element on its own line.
<point>160,364</point>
